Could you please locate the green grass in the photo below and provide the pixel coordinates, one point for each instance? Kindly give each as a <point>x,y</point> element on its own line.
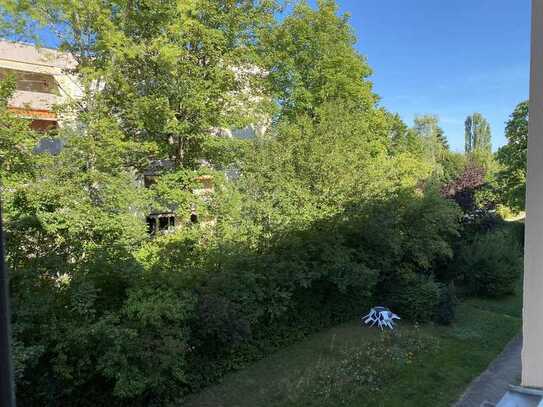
<point>434,377</point>
<point>466,349</point>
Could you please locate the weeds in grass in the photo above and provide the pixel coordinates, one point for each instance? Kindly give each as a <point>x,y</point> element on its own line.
<point>369,369</point>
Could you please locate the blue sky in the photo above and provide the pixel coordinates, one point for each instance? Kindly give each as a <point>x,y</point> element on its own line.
<point>446,57</point>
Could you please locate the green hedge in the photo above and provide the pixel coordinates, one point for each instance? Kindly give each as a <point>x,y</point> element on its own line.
<point>190,307</point>
<point>491,264</point>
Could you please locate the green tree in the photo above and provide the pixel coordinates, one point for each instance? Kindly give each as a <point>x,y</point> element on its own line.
<point>433,137</point>
<point>477,134</point>
<point>312,168</point>
<point>442,138</point>
<point>168,71</point>
<point>402,138</point>
<point>312,61</point>
<point>17,140</point>
<point>453,165</point>
<point>71,222</point>
<point>512,156</point>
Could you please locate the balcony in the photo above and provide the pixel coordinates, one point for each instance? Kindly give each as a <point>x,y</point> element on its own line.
<point>34,105</point>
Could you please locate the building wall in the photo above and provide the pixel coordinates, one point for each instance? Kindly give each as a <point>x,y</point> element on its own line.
<point>44,80</point>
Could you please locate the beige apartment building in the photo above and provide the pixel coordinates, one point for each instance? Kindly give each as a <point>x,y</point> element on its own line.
<point>43,81</point>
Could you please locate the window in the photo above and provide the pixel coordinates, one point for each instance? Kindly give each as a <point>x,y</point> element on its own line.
<point>194,217</point>
<point>160,223</point>
<point>149,180</point>
<point>31,81</point>
<point>43,126</point>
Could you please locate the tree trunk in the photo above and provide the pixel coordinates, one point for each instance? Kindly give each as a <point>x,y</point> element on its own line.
<point>180,153</point>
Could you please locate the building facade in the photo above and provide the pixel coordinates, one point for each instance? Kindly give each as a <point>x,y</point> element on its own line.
<point>43,81</point>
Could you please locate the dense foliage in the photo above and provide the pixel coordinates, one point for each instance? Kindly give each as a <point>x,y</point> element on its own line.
<point>463,188</point>
<point>337,206</point>
<point>477,134</point>
<point>491,264</point>
<point>513,156</point>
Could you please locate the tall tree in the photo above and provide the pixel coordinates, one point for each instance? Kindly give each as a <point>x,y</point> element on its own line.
<point>513,157</point>
<point>477,134</point>
<point>427,128</point>
<point>312,60</point>
<point>168,71</point>
<point>442,138</point>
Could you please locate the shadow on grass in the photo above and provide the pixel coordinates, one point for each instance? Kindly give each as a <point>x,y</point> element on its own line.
<point>435,376</point>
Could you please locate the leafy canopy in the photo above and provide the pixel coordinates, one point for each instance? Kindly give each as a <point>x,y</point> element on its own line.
<point>311,61</point>
<point>477,134</point>
<point>512,156</point>
<point>168,71</point>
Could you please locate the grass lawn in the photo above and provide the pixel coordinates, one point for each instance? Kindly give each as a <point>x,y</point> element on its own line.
<point>313,372</point>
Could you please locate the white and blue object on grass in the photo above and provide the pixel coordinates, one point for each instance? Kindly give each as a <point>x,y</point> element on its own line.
<point>381,316</point>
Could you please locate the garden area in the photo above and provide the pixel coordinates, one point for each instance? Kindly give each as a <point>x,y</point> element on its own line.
<point>417,365</point>
<point>253,298</point>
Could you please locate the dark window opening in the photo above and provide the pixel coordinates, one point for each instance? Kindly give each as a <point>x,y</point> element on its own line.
<point>194,217</point>
<point>149,180</point>
<point>43,126</point>
<point>160,223</point>
<point>151,225</point>
<point>163,223</point>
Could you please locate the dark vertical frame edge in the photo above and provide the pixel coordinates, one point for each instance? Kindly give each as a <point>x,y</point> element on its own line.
<point>7,391</point>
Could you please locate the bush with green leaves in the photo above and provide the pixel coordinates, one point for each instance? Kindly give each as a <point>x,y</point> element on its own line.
<point>446,310</point>
<point>513,157</point>
<point>517,230</point>
<point>413,296</point>
<point>491,264</point>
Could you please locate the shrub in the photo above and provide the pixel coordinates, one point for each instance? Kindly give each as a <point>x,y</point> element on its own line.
<point>480,221</point>
<point>517,231</point>
<point>218,324</point>
<point>476,197</point>
<point>446,310</point>
<point>414,296</point>
<point>186,308</point>
<point>505,212</point>
<point>462,190</point>
<point>491,264</point>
